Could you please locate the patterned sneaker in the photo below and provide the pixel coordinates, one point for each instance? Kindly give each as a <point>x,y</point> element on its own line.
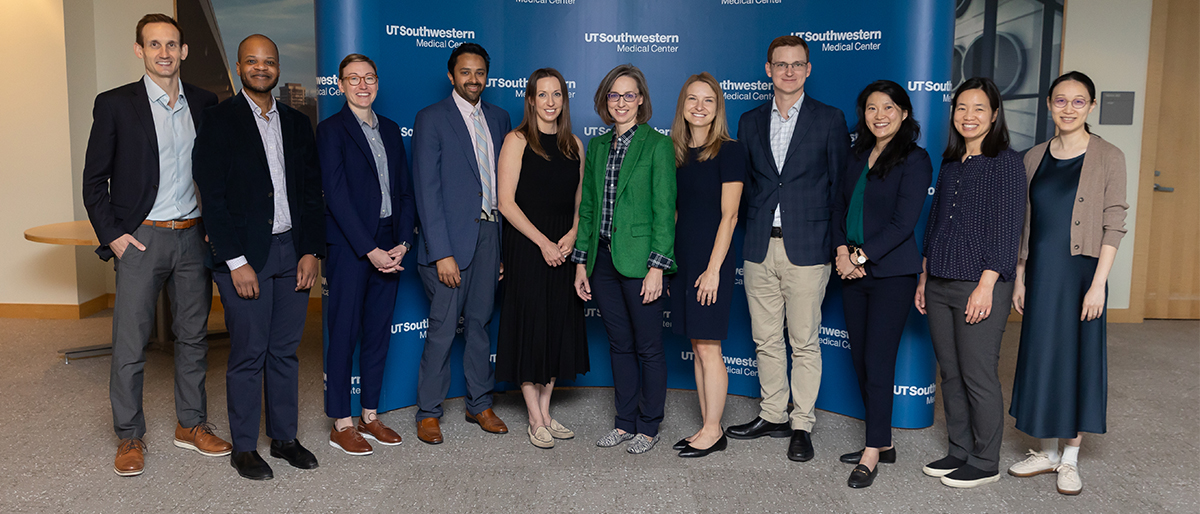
<point>1068,479</point>
<point>641,444</point>
<point>1036,464</point>
<point>613,438</point>
<point>559,431</point>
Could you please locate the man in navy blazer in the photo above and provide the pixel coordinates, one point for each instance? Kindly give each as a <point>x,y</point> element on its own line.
<point>456,143</point>
<point>138,190</point>
<point>797,149</point>
<point>369,216</point>
<point>256,167</point>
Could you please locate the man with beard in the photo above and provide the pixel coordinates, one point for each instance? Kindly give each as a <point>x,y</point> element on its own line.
<point>256,166</point>
<point>456,143</point>
<point>137,186</point>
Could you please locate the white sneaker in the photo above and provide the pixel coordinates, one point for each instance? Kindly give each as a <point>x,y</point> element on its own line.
<point>1036,464</point>
<point>1068,479</point>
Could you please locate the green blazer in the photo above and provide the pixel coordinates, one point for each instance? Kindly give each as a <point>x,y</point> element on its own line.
<point>644,212</point>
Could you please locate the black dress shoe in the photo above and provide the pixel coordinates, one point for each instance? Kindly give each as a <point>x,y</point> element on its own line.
<point>887,456</point>
<point>862,477</point>
<point>690,451</point>
<point>758,428</point>
<point>293,453</point>
<point>800,449</point>
<point>683,443</point>
<point>250,465</point>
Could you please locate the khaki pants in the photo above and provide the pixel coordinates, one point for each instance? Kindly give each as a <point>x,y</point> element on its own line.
<point>776,288</point>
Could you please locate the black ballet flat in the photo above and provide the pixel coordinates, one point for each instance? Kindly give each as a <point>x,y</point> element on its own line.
<point>683,443</point>
<point>691,452</point>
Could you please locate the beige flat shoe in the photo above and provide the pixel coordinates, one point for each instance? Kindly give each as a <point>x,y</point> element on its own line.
<point>560,432</point>
<point>541,438</point>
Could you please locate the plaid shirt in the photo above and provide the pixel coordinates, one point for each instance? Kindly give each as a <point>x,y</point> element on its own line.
<point>616,156</point>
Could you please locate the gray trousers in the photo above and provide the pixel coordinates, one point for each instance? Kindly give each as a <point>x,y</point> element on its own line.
<point>174,259</point>
<point>473,300</point>
<point>969,356</point>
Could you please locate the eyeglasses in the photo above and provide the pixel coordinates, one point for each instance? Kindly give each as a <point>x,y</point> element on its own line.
<point>629,97</point>
<point>354,80</point>
<point>782,66</point>
<point>1077,103</point>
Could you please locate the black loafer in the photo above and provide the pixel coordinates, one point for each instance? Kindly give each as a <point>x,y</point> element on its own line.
<point>758,428</point>
<point>862,477</point>
<point>294,454</point>
<point>690,452</point>
<point>800,449</point>
<point>683,443</point>
<point>887,456</point>
<point>250,465</point>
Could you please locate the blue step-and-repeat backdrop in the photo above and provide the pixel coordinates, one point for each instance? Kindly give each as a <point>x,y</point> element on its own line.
<point>851,45</point>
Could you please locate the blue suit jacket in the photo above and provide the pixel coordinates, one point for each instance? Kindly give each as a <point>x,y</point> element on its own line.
<point>803,190</point>
<point>891,209</point>
<point>350,179</point>
<point>231,172</point>
<point>446,180</point>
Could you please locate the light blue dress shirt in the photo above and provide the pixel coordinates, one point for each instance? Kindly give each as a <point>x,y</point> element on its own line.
<point>176,133</point>
<point>375,141</point>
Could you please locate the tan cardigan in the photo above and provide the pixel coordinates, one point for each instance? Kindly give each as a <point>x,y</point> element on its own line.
<point>1099,214</point>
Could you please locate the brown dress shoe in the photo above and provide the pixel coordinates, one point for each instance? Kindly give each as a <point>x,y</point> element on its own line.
<point>488,421</point>
<point>349,440</point>
<point>376,431</point>
<point>429,431</point>
<point>131,458</point>
<point>202,439</point>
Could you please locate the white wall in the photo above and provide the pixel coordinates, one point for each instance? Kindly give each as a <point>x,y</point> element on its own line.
<point>1109,40</point>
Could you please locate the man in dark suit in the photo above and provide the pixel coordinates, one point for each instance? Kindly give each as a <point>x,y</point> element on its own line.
<point>797,149</point>
<point>138,190</point>
<point>369,226</point>
<point>456,143</point>
<point>256,166</point>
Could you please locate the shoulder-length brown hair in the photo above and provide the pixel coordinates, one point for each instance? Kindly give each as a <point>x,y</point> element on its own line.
<point>528,126</point>
<point>681,133</point>
<point>624,70</point>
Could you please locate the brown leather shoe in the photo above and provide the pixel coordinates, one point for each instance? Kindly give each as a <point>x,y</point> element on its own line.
<point>201,439</point>
<point>488,421</point>
<point>378,432</point>
<point>349,440</point>
<point>131,458</point>
<point>429,431</point>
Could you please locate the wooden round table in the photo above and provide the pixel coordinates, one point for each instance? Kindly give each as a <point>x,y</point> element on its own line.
<point>73,233</point>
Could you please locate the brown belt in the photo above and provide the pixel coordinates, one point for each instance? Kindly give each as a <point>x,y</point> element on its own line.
<point>173,224</point>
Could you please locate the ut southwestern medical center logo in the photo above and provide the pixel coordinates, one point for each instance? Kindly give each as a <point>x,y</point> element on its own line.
<point>426,37</point>
<point>636,43</point>
<point>847,41</point>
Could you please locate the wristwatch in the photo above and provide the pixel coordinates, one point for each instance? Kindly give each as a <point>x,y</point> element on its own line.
<point>858,258</point>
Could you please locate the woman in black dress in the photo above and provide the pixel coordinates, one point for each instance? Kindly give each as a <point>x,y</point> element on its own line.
<point>1061,383</point>
<point>875,212</point>
<point>542,334</point>
<point>711,170</point>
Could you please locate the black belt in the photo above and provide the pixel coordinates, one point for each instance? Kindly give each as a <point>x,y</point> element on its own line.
<point>777,232</point>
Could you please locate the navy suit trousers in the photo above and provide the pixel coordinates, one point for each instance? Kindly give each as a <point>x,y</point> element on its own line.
<point>263,336</point>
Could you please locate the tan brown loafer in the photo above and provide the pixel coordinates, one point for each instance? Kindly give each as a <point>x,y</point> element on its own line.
<point>350,441</point>
<point>488,421</point>
<point>201,439</point>
<point>131,458</point>
<point>429,431</point>
<point>378,432</point>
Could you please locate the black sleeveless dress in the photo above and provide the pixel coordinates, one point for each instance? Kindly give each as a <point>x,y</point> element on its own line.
<point>542,333</point>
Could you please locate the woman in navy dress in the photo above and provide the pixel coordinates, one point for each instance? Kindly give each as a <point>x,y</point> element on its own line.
<point>711,170</point>
<point>542,336</point>
<point>1075,220</point>
<point>875,213</point>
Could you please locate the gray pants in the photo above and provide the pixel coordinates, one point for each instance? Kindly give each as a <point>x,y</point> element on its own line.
<point>175,259</point>
<point>473,300</point>
<point>969,356</point>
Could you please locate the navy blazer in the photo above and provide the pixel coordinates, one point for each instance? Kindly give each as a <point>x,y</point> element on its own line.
<point>351,182</point>
<point>446,180</point>
<point>804,189</point>
<point>120,170</point>
<point>230,167</point>
<point>891,208</point>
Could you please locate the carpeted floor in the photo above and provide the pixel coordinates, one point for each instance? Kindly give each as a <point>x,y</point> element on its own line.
<point>58,444</point>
